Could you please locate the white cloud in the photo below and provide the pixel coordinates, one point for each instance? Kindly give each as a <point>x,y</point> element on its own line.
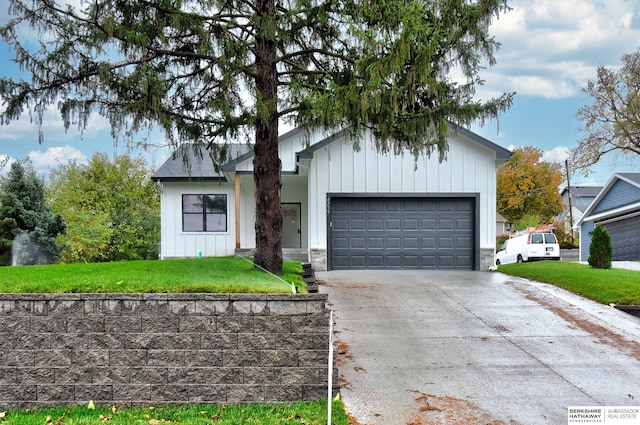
<point>557,154</point>
<point>5,163</point>
<point>54,156</point>
<point>53,129</point>
<point>551,48</point>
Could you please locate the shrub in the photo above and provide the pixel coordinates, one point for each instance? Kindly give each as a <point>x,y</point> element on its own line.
<point>600,250</point>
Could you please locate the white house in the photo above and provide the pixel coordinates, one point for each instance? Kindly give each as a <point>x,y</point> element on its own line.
<point>343,208</point>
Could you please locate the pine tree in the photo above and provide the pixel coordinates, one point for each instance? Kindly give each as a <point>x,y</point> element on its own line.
<point>209,72</point>
<point>600,249</point>
<point>28,229</point>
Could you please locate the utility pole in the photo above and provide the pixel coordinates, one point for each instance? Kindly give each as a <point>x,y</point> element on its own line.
<point>566,164</point>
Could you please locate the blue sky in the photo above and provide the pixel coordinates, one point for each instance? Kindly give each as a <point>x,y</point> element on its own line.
<point>549,50</point>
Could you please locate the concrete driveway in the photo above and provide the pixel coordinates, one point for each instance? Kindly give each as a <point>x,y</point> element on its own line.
<point>446,347</point>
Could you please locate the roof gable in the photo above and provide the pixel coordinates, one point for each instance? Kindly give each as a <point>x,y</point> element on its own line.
<point>501,153</point>
<point>621,192</point>
<point>188,163</point>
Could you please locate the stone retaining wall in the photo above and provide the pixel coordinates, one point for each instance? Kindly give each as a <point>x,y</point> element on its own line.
<point>151,349</point>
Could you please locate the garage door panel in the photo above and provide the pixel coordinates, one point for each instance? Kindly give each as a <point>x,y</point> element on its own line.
<point>625,238</point>
<point>357,224</point>
<point>394,261</point>
<point>341,224</point>
<point>411,261</point>
<point>445,243</point>
<point>393,224</point>
<point>375,224</point>
<point>428,261</point>
<point>463,224</point>
<point>358,205</point>
<point>427,224</point>
<point>428,243</point>
<point>375,243</point>
<point>413,207</point>
<point>463,242</point>
<point>445,224</point>
<point>375,205</point>
<point>464,262</point>
<point>410,243</point>
<point>357,243</point>
<point>392,206</point>
<point>445,206</point>
<point>394,243</point>
<point>389,232</point>
<point>446,261</point>
<point>409,224</point>
<point>358,261</point>
<point>341,243</point>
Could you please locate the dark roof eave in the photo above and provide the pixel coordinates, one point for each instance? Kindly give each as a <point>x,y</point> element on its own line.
<point>188,179</point>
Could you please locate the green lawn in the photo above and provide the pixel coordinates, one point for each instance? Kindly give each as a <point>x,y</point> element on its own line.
<point>613,286</point>
<point>219,274</point>
<point>304,413</point>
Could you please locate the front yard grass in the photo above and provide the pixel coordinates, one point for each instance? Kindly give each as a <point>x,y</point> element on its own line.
<point>211,274</point>
<point>613,286</point>
<point>308,413</point>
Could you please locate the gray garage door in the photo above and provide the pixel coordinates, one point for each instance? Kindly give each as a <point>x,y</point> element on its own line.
<point>625,239</point>
<point>390,232</point>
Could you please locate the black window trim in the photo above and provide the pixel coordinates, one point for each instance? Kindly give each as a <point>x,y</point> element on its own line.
<point>203,213</point>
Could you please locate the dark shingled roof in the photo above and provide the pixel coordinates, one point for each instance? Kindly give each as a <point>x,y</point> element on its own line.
<point>190,163</point>
<point>591,191</point>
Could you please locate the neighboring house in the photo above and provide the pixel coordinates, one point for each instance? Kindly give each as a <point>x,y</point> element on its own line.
<point>502,225</point>
<point>581,197</point>
<point>343,208</point>
<point>616,208</point>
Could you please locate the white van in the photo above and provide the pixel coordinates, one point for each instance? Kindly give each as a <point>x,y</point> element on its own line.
<point>529,247</point>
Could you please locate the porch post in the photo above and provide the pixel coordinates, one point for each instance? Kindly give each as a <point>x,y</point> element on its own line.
<point>237,197</point>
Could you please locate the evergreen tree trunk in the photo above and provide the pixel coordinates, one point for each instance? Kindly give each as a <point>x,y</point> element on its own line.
<point>266,163</point>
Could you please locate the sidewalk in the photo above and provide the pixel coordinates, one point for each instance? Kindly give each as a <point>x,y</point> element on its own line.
<point>629,265</point>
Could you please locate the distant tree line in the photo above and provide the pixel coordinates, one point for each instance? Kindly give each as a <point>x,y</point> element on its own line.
<point>104,210</point>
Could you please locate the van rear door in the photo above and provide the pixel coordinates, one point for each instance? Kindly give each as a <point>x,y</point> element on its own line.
<point>536,246</point>
<point>552,249</point>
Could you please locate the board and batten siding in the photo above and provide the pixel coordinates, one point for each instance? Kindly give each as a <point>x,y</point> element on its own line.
<point>175,242</point>
<point>294,190</point>
<point>338,168</point>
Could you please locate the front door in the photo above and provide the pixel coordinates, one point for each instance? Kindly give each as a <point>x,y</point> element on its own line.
<point>291,231</point>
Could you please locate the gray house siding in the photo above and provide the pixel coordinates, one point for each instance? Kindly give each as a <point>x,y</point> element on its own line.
<point>617,209</point>
<point>585,239</point>
<point>620,195</point>
<point>581,196</point>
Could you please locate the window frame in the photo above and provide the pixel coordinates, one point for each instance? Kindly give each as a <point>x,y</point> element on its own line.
<point>206,211</point>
